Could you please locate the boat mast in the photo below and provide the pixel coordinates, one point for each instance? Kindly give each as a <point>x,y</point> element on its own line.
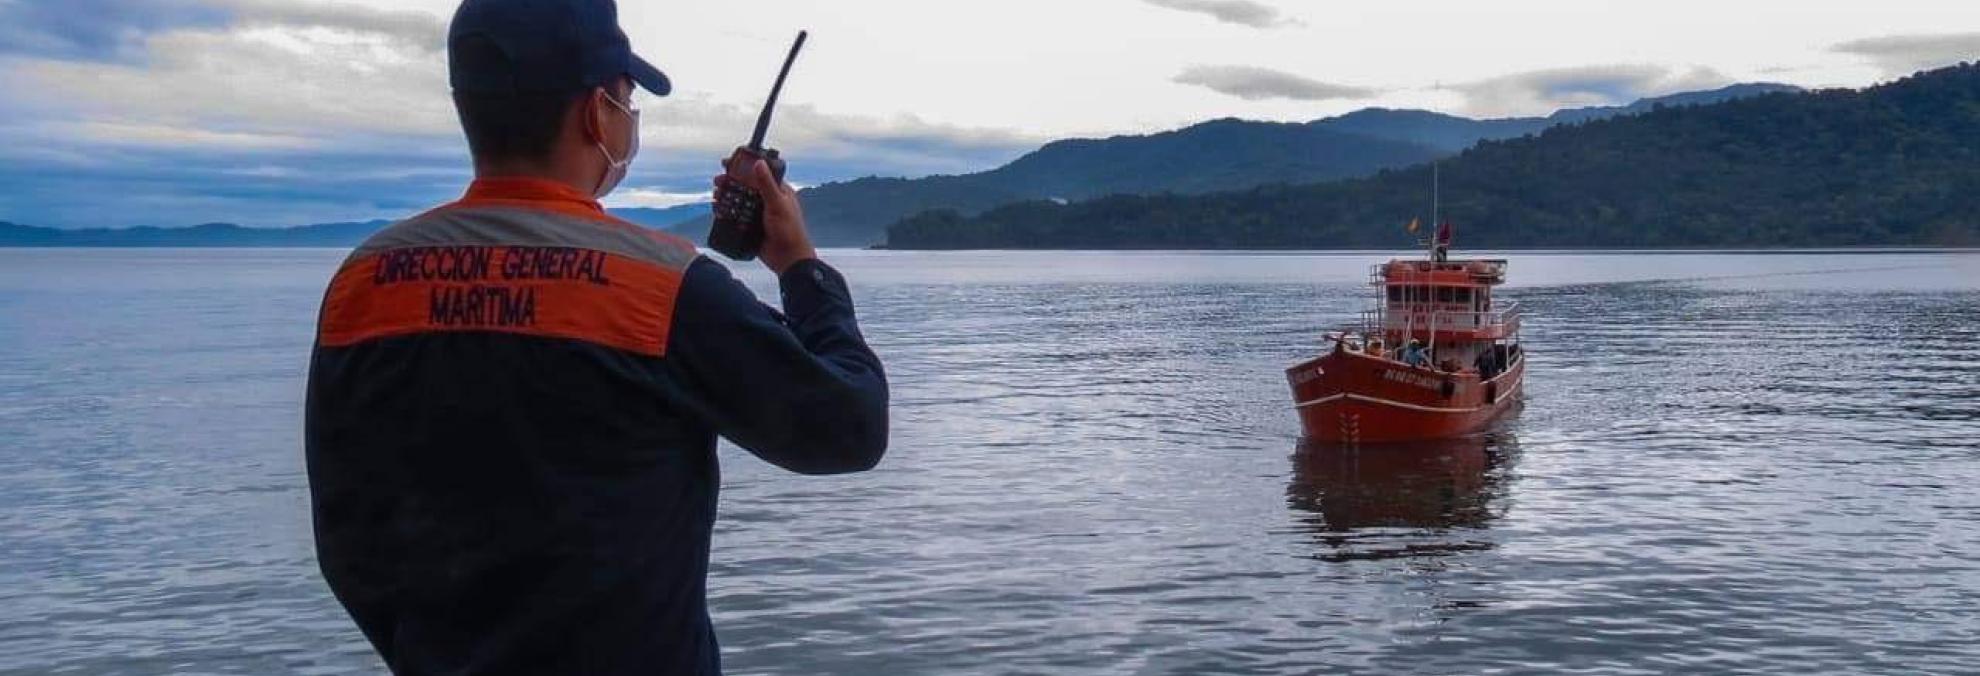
<point>1434,223</point>
<point>1435,184</point>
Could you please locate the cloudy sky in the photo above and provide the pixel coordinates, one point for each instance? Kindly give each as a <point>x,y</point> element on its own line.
<point>282,112</point>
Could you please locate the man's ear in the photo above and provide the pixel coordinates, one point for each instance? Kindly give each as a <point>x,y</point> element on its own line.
<point>590,111</point>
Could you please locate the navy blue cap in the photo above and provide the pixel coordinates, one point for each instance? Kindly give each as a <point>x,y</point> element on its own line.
<point>542,47</point>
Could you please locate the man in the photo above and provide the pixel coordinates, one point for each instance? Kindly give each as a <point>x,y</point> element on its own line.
<point>514,398</point>
<point>1442,250</point>
<point>1415,354</point>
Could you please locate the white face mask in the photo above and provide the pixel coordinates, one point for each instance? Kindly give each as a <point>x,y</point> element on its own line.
<point>615,169</point>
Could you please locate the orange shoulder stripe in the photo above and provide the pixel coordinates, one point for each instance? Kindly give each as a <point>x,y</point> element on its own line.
<point>552,291</point>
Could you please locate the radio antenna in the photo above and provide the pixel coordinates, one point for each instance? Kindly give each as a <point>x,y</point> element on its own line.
<point>763,119</point>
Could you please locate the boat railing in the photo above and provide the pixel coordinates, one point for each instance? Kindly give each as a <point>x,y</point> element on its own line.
<point>1406,318</point>
<point>1481,270</point>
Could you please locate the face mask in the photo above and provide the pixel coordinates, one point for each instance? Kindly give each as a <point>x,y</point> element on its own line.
<point>615,169</point>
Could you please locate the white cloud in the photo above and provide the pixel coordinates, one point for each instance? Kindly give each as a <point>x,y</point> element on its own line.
<point>265,79</point>
<point>1241,12</point>
<point>1899,55</point>
<point>697,122</point>
<point>365,92</point>
<point>1542,92</point>
<point>417,29</point>
<point>657,199</point>
<point>687,134</point>
<point>1253,83</point>
<point>321,81</point>
<point>166,136</point>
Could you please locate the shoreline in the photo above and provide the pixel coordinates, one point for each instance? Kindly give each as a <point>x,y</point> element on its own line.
<point>1896,248</point>
<point>1878,249</point>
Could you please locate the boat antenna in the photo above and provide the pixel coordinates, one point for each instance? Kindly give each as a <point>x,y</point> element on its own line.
<point>763,118</point>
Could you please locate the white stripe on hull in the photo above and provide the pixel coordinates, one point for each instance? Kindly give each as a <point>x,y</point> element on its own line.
<point>1414,407</point>
<point>1317,402</point>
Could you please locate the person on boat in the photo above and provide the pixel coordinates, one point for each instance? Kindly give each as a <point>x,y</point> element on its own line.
<point>1415,354</point>
<point>1441,251</point>
<point>1487,364</point>
<point>514,398</point>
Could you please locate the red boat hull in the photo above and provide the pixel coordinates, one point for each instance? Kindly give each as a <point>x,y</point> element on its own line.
<point>1350,397</point>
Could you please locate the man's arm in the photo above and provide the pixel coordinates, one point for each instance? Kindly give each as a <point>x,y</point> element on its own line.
<point>800,390</point>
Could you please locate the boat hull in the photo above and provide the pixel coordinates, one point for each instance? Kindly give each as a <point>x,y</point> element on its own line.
<point>1350,397</point>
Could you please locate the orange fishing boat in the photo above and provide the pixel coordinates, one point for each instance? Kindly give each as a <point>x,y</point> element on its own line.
<point>1437,357</point>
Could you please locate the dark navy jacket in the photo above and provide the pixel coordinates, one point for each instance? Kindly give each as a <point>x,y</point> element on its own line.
<point>511,423</point>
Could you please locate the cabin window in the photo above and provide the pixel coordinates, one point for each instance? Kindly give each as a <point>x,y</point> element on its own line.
<point>1464,295</point>
<point>1395,294</point>
<point>1446,294</point>
<point>1422,294</point>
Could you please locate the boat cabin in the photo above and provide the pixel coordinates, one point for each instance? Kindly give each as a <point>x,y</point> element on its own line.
<point>1447,306</point>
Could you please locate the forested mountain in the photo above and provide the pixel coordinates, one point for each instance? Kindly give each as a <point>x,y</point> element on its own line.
<point>1897,164</point>
<point>1451,133</point>
<point>1216,155</point>
<point>1226,154</point>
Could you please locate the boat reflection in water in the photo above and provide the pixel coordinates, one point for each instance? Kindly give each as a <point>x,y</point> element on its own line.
<point>1424,499</point>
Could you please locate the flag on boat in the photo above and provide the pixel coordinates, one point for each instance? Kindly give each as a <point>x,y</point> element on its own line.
<point>1413,224</point>
<point>1444,233</point>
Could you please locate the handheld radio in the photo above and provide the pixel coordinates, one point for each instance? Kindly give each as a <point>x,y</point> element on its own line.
<point>738,211</point>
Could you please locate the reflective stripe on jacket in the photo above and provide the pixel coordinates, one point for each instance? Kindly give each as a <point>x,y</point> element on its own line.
<point>511,421</point>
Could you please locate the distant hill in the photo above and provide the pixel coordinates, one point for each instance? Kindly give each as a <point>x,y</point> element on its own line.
<point>230,235</point>
<point>1446,133</point>
<point>1451,133</point>
<point>1897,164</point>
<point>1226,154</point>
<point>1215,155</point>
<point>1218,155</point>
<point>208,235</point>
<point>663,218</point>
<point>1698,98</point>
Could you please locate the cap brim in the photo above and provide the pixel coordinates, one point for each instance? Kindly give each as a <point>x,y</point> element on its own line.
<point>648,77</point>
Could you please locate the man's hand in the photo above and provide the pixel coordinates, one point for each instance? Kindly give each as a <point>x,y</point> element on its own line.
<point>785,241</point>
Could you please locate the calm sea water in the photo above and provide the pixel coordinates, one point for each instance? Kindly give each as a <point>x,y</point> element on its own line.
<point>1725,463</point>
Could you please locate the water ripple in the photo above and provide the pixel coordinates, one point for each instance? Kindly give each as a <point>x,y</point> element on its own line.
<point>1725,463</point>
